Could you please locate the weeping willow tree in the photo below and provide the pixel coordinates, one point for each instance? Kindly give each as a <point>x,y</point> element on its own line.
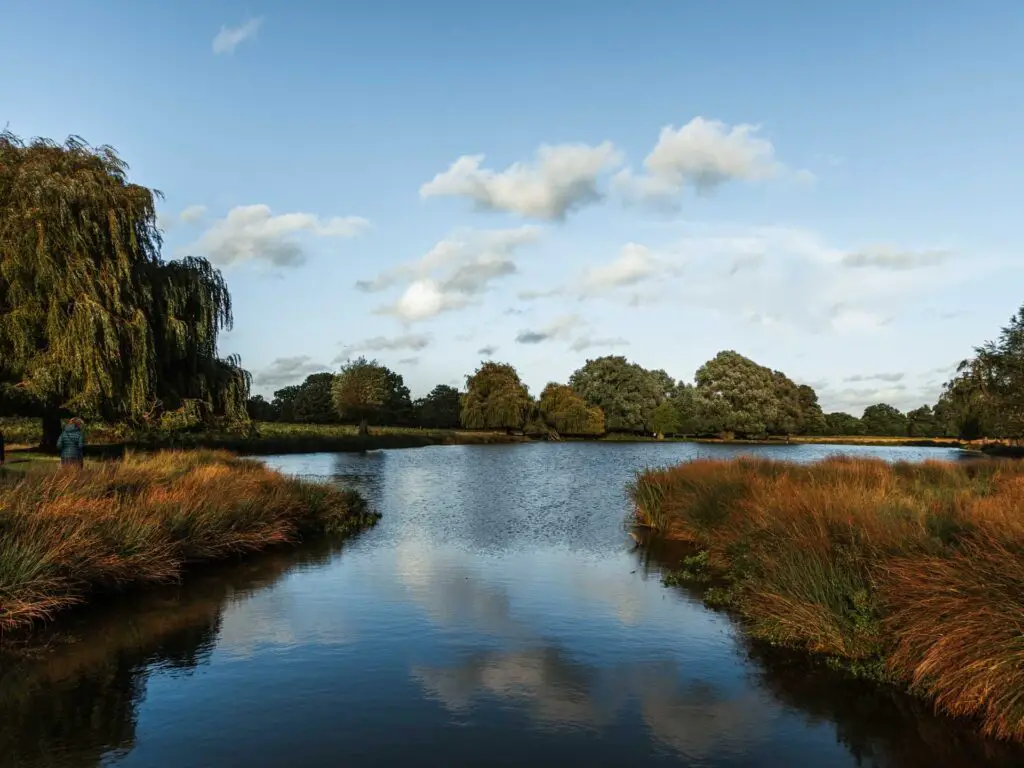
<point>495,398</point>
<point>92,321</point>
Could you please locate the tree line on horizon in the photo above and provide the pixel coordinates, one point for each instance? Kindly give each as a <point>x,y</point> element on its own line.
<point>93,322</point>
<point>731,395</point>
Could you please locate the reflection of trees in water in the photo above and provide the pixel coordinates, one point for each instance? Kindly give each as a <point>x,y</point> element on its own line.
<point>878,725</point>
<point>73,698</point>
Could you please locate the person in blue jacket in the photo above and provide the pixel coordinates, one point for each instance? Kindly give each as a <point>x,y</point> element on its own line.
<point>71,443</point>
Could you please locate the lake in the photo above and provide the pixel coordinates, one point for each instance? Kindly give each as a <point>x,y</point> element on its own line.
<point>498,615</point>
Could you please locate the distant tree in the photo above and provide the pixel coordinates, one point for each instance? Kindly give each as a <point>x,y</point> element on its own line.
<point>664,419</point>
<point>689,419</point>
<point>811,414</point>
<point>260,410</point>
<point>565,411</point>
<point>737,395</point>
<point>440,409</point>
<point>495,398</point>
<point>921,422</point>
<point>840,424</point>
<point>626,392</point>
<point>284,403</point>
<point>883,419</point>
<point>789,413</point>
<point>988,389</point>
<point>314,401</point>
<point>398,409</point>
<point>365,390</point>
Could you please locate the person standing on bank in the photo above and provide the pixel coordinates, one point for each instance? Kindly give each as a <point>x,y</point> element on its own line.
<point>71,443</point>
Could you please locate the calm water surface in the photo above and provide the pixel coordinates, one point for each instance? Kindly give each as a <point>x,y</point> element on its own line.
<point>496,616</point>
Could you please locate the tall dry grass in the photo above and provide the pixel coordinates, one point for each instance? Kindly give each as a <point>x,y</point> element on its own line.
<point>67,533</point>
<point>912,573</point>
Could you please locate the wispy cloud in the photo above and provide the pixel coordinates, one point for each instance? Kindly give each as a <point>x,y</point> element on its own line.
<point>254,233</point>
<point>883,257</point>
<point>586,342</point>
<point>559,328</point>
<point>229,38</point>
<point>876,377</point>
<point>288,370</point>
<point>414,342</point>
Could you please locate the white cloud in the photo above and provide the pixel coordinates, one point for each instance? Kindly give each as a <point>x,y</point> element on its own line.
<point>890,377</point>
<point>561,179</point>
<point>849,319</point>
<point>886,257</point>
<point>253,233</point>
<point>192,214</point>
<point>487,351</point>
<point>703,154</point>
<point>229,37</point>
<point>586,342</point>
<point>288,370</point>
<point>414,342</point>
<point>559,328</point>
<point>635,264</point>
<point>453,274</point>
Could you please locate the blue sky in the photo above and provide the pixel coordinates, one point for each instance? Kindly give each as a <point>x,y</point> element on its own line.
<point>831,189</point>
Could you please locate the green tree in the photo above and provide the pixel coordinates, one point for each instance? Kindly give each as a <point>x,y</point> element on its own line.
<point>495,398</point>
<point>565,411</point>
<point>92,320</point>
<point>811,414</point>
<point>883,419</point>
<point>365,390</point>
<point>314,401</point>
<point>440,409</point>
<point>664,419</point>
<point>260,410</point>
<point>998,373</point>
<point>840,424</point>
<point>737,395</point>
<point>284,403</point>
<point>789,412</point>
<point>921,422</point>
<point>626,392</point>
<point>689,419</point>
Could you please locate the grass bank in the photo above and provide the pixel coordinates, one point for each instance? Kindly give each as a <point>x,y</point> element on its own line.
<point>907,573</point>
<point>68,534</point>
<point>264,439</point>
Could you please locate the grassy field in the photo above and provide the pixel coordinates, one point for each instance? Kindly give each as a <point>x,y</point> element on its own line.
<point>69,533</point>
<point>265,438</point>
<point>910,573</point>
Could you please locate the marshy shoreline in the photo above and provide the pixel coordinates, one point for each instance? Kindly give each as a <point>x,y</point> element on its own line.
<point>907,574</point>
<point>70,536</point>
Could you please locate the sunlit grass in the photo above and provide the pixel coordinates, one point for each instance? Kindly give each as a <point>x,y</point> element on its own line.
<point>907,572</point>
<point>67,532</point>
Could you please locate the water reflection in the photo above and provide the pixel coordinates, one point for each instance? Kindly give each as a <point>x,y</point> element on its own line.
<point>494,617</point>
<point>73,697</point>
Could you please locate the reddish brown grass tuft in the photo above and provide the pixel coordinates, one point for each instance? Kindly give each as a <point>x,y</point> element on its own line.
<point>907,572</point>
<point>66,533</point>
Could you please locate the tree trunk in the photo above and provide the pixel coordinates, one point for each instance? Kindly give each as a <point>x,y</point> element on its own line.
<point>51,431</point>
<point>363,428</point>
